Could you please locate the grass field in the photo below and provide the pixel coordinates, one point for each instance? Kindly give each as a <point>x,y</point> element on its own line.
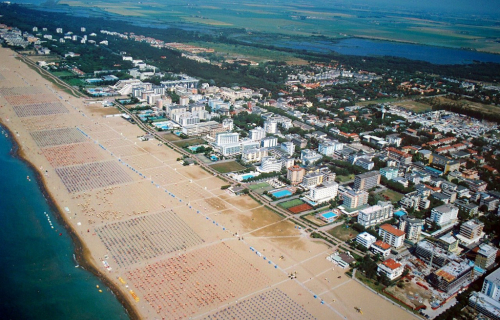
<point>291,203</point>
<point>393,195</point>
<point>343,233</point>
<point>62,73</point>
<point>188,142</point>
<point>226,167</point>
<point>259,186</point>
<point>414,106</point>
<point>344,178</point>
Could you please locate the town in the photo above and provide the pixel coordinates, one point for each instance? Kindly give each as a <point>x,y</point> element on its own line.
<point>408,200</point>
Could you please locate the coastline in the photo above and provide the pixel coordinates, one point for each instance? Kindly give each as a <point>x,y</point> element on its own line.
<point>82,252</point>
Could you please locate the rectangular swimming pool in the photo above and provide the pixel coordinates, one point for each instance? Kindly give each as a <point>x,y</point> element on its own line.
<point>282,193</point>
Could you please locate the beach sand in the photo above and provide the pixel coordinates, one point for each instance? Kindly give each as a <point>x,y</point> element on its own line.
<point>168,240</point>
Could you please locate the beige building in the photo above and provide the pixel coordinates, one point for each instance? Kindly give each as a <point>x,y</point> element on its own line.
<point>295,175</point>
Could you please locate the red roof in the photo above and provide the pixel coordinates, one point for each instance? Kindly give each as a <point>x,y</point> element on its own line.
<point>381,244</point>
<point>391,264</point>
<point>392,230</point>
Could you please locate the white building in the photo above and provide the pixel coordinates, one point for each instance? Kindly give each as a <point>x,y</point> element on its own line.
<point>288,147</point>
<point>375,214</point>
<point>491,285</point>
<point>329,147</point>
<point>381,248</point>
<point>389,172</point>
<point>444,214</point>
<point>269,142</point>
<point>391,269</point>
<point>225,138</point>
<point>271,126</point>
<point>226,123</point>
<point>270,164</point>
<point>391,235</point>
<point>309,157</point>
<point>365,239</point>
<point>253,155</point>
<point>323,192</point>
<point>257,134</point>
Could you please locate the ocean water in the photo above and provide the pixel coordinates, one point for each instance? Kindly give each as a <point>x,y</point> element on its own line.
<point>38,278</point>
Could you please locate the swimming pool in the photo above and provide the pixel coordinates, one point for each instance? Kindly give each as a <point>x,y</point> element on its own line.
<point>281,193</point>
<point>328,216</point>
<point>214,158</point>
<point>194,148</point>
<point>247,176</point>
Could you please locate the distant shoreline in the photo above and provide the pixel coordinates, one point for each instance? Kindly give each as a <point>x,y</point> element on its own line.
<point>82,253</point>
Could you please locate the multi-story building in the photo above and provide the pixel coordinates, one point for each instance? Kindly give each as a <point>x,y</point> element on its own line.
<point>323,192</point>
<point>376,214</point>
<point>295,175</point>
<point>309,157</point>
<point>398,155</point>
<point>257,134</point>
<point>391,235</point>
<point>271,126</point>
<point>411,226</point>
<point>270,164</point>
<point>465,207</point>
<point>486,255</point>
<point>366,181</point>
<point>432,253</point>
<point>328,147</point>
<point>444,214</point>
<point>354,199</point>
<point>490,203</point>
<point>269,142</point>
<point>471,231</point>
<point>491,285</point>
<point>226,138</point>
<point>451,277</point>
<point>312,179</point>
<point>288,147</point>
<point>381,248</point>
<point>447,164</point>
<point>365,239</point>
<point>390,268</point>
<point>253,155</point>
<point>389,172</point>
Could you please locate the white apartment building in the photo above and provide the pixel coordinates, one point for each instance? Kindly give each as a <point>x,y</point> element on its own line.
<point>225,138</point>
<point>323,192</point>
<point>309,156</point>
<point>257,134</point>
<point>491,285</point>
<point>270,164</point>
<point>271,126</point>
<point>391,269</point>
<point>365,239</point>
<point>354,199</point>
<point>269,142</point>
<point>328,147</point>
<point>444,214</point>
<point>376,214</point>
<point>391,235</point>
<point>253,155</point>
<point>288,147</point>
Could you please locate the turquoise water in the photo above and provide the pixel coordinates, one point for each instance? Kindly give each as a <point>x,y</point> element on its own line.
<point>37,270</point>
<point>247,176</point>
<point>328,215</point>
<point>282,193</point>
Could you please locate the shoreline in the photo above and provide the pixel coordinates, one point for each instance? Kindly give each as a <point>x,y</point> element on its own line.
<point>82,252</point>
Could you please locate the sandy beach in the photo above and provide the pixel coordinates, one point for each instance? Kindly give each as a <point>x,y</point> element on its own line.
<point>169,241</point>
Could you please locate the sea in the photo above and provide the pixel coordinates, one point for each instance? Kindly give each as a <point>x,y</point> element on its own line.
<point>38,274</point>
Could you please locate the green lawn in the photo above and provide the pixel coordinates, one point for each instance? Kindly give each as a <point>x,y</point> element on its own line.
<point>259,186</point>
<point>62,73</point>
<point>344,178</point>
<point>291,203</point>
<point>343,233</point>
<point>189,142</point>
<point>226,167</point>
<point>392,195</point>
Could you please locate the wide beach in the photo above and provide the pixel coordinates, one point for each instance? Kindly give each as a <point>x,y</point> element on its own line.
<point>167,238</point>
